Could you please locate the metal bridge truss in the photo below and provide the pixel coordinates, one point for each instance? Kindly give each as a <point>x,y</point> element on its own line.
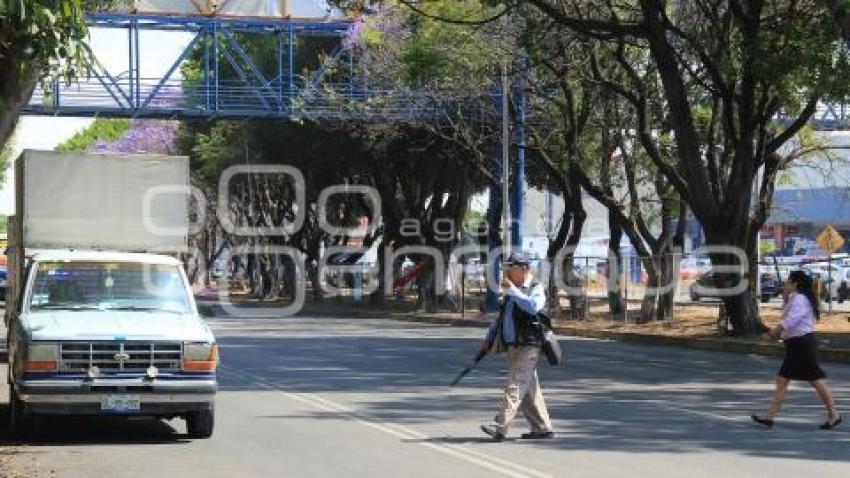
<point>235,81</point>
<point>232,81</point>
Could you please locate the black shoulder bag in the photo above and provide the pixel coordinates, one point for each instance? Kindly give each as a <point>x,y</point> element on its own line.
<point>549,344</point>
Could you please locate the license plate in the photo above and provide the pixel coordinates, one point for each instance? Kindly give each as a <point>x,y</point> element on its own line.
<point>121,403</point>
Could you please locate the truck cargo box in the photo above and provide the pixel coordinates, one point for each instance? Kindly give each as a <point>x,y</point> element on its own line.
<point>97,201</point>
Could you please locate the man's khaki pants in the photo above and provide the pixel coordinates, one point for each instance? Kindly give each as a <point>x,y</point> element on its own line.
<point>523,392</point>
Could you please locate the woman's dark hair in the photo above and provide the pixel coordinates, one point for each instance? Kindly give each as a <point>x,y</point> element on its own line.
<point>805,286</point>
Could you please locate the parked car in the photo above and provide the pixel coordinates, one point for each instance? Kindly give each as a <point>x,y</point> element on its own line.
<point>3,284</point>
<point>843,281</point>
<point>770,287</point>
<point>830,288</point>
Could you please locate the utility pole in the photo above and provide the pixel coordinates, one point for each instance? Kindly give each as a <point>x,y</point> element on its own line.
<point>756,189</point>
<point>506,156</point>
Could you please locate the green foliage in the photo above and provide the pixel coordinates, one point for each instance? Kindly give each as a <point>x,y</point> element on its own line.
<point>5,159</point>
<point>44,36</point>
<point>102,129</point>
<point>409,49</point>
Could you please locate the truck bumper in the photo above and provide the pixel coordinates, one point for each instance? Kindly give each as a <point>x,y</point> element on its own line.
<point>157,398</point>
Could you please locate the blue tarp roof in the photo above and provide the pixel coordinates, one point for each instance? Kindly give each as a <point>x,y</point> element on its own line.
<point>818,206</point>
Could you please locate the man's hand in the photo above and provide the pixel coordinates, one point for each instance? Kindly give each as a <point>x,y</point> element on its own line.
<point>506,283</point>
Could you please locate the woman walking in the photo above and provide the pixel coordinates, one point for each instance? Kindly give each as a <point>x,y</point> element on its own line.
<point>801,354</point>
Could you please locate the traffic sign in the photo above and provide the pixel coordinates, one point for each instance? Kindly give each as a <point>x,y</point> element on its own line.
<point>830,240</point>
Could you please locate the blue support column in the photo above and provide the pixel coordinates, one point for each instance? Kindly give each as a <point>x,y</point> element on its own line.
<point>138,60</point>
<point>207,47</point>
<point>280,74</point>
<point>518,191</point>
<point>216,66</point>
<point>494,220</point>
<point>291,65</point>
<point>130,64</point>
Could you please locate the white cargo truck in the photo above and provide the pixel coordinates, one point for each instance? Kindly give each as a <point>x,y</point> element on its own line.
<point>101,319</point>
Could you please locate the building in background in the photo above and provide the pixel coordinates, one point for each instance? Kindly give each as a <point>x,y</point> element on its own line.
<point>799,215</point>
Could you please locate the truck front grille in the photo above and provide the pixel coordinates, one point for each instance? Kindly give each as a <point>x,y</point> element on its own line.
<point>115,356</point>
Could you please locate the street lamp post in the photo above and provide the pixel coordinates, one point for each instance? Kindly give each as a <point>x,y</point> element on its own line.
<point>506,154</point>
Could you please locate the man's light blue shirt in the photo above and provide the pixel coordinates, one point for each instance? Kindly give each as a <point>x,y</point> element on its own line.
<point>530,299</point>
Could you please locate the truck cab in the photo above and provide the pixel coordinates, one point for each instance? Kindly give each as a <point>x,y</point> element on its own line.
<point>109,333</point>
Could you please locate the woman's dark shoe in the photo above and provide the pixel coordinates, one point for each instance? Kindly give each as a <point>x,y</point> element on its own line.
<point>537,435</point>
<point>830,426</point>
<point>762,421</point>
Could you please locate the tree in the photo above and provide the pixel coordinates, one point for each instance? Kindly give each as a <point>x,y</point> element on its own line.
<point>39,39</point>
<point>724,73</point>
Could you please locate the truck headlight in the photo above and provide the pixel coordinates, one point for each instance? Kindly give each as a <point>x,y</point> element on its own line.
<point>42,357</point>
<point>200,357</point>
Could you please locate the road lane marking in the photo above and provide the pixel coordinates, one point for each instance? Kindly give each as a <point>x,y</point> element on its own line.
<point>483,460</point>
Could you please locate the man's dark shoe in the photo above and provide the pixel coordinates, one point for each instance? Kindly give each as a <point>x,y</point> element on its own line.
<point>537,435</point>
<point>830,426</point>
<point>493,432</point>
<point>762,421</point>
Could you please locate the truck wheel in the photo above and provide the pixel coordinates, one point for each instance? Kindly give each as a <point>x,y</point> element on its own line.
<point>200,424</point>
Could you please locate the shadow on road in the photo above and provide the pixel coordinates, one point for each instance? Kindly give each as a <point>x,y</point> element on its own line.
<point>51,431</point>
<point>611,396</point>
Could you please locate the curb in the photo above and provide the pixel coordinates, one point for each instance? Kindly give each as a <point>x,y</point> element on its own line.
<point>703,343</point>
<point>767,349</point>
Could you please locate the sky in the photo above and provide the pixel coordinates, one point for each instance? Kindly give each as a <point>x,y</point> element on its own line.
<point>158,51</point>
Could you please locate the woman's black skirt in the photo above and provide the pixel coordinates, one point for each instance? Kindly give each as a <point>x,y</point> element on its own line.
<point>801,359</point>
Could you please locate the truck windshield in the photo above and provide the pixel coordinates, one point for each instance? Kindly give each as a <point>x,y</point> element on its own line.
<point>79,285</point>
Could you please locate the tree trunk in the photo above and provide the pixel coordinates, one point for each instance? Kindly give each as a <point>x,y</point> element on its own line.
<point>427,295</point>
<point>649,304</point>
<point>669,265</point>
<point>741,309</point>
<point>377,297</point>
<point>616,305</point>
<point>16,93</point>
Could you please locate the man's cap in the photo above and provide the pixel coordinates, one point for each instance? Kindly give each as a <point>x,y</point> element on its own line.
<point>518,259</point>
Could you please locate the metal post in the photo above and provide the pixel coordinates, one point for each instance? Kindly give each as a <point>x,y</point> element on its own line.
<point>291,64</point>
<point>829,280</point>
<point>216,64</point>
<point>462,289</point>
<point>506,138</point>
<point>56,102</point>
<point>758,242</point>
<point>280,70</point>
<point>131,83</point>
<point>518,205</point>
<point>138,60</point>
<point>494,215</point>
<point>626,261</point>
<point>586,281</point>
<point>207,46</point>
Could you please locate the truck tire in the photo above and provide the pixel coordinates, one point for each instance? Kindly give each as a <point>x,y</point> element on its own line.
<point>200,424</point>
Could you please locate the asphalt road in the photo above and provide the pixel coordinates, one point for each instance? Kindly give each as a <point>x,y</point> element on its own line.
<point>321,397</point>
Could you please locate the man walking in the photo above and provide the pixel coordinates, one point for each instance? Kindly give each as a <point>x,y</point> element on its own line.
<point>516,330</point>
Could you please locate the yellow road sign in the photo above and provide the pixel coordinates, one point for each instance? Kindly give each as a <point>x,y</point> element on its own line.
<point>830,240</point>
